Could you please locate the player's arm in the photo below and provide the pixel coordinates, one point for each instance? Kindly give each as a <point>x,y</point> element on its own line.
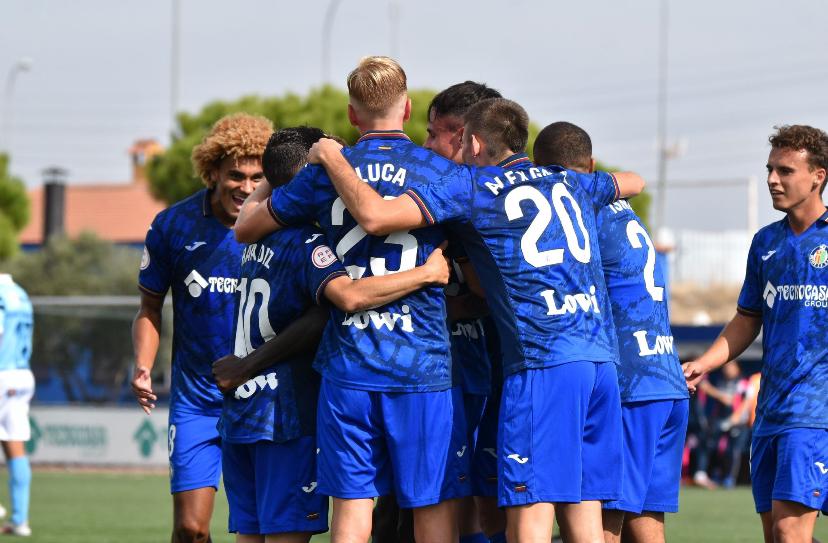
<point>146,334</point>
<point>374,214</point>
<point>629,184</point>
<point>723,398</point>
<point>734,339</point>
<point>299,337</point>
<point>351,296</point>
<point>255,221</point>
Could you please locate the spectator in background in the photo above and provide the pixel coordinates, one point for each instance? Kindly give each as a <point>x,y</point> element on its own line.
<point>16,391</point>
<point>719,407</point>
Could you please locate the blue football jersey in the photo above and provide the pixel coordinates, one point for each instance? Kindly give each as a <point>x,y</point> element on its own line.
<point>786,284</point>
<point>402,346</point>
<point>16,321</point>
<point>469,358</point>
<point>188,251</point>
<point>281,275</point>
<point>531,234</point>
<point>649,368</point>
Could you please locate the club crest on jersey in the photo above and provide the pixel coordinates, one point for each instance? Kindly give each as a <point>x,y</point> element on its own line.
<point>323,257</point>
<point>145,259</point>
<point>819,257</point>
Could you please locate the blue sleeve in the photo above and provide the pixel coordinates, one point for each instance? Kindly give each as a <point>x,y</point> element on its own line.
<point>751,297</point>
<point>295,203</point>
<point>319,264</point>
<point>601,186</point>
<point>155,275</point>
<point>449,198</point>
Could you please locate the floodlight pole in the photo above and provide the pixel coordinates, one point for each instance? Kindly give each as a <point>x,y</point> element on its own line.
<point>23,64</point>
<point>175,47</point>
<point>327,30</point>
<point>661,180</point>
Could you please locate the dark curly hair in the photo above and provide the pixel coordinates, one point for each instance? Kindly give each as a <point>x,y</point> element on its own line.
<point>800,137</point>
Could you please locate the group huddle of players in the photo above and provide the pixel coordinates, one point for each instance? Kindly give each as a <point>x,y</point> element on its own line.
<point>480,340</point>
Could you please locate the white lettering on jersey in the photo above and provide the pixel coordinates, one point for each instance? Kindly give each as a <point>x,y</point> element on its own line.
<point>388,172</point>
<point>259,382</point>
<point>619,206</point>
<point>810,295</point>
<point>224,285</point>
<point>362,319</point>
<point>258,253</point>
<point>571,302</point>
<point>663,344</point>
<point>515,176</point>
<point>469,330</point>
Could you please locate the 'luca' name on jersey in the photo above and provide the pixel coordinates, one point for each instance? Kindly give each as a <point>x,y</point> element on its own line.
<point>515,176</point>
<point>386,171</point>
<point>257,253</point>
<point>362,319</point>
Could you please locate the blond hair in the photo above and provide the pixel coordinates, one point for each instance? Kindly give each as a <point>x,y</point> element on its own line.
<point>376,84</point>
<point>239,135</point>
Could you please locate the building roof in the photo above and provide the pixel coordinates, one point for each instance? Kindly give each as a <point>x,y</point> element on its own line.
<point>118,213</point>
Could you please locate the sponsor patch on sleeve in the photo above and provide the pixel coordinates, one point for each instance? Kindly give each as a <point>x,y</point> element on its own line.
<point>145,259</point>
<point>323,257</point>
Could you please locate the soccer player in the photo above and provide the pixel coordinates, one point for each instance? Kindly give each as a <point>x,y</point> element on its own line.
<point>267,423</point>
<point>529,232</point>
<point>386,409</point>
<point>190,249</point>
<point>785,294</point>
<point>654,398</point>
<point>16,391</point>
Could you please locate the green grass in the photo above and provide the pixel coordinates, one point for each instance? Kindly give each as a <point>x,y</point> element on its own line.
<point>125,507</point>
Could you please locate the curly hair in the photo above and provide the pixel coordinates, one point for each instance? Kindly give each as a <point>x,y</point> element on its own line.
<point>239,135</point>
<point>801,137</point>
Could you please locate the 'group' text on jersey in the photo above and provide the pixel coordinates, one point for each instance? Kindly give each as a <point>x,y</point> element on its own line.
<point>649,368</point>
<point>16,321</point>
<point>191,253</point>
<point>281,275</point>
<point>786,284</point>
<point>530,232</point>
<point>402,346</point>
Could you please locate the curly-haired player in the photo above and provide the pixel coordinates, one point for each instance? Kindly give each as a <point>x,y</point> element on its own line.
<point>190,249</point>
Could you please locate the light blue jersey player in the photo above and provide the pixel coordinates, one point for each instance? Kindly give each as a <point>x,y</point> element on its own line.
<point>16,390</point>
<point>652,387</point>
<point>190,250</point>
<point>386,372</point>
<point>530,233</point>
<point>785,294</point>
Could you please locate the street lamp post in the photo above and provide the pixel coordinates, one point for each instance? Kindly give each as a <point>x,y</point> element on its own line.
<point>327,30</point>
<point>23,64</point>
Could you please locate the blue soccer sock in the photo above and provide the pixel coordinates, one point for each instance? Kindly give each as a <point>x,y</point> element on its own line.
<point>499,537</point>
<point>479,537</point>
<point>20,480</point>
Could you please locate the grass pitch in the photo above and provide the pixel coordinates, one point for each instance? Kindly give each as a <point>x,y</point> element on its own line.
<point>74,507</point>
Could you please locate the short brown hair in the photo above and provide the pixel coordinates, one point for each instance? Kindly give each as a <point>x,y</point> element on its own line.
<point>239,135</point>
<point>503,125</point>
<point>376,84</point>
<point>800,137</point>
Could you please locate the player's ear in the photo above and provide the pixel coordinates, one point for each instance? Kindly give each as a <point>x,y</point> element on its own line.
<point>407,112</point>
<point>819,178</point>
<point>352,116</point>
<point>591,164</point>
<point>477,145</point>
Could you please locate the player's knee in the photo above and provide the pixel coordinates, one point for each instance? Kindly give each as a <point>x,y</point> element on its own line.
<point>191,531</point>
<point>787,530</point>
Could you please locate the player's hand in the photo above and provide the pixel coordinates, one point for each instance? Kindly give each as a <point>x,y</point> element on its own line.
<point>438,266</point>
<point>229,372</point>
<point>142,389</point>
<point>694,372</point>
<point>323,148</point>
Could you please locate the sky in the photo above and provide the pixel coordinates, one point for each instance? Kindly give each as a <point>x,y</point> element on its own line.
<point>101,76</point>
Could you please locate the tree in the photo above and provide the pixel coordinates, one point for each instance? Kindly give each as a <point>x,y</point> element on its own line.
<point>14,209</point>
<point>171,174</point>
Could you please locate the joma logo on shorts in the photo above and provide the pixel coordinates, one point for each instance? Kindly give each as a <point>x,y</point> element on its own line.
<point>362,319</point>
<point>257,383</point>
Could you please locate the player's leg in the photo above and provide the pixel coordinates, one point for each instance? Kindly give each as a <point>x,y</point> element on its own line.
<point>602,467</point>
<point>385,519</point>
<point>351,520</point>
<point>647,527</point>
<point>194,448</point>
<point>792,522</point>
<point>767,526</point>
<point>468,516</point>
<point>428,449</point>
<point>531,523</point>
<point>250,538</point>
<point>613,521</point>
<point>17,391</point>
<point>353,460</point>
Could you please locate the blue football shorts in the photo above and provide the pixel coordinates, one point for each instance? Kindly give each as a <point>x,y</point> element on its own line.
<point>654,434</point>
<point>560,435</point>
<point>411,444</point>
<point>194,448</point>
<point>791,465</point>
<point>484,462</point>
<point>271,487</point>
